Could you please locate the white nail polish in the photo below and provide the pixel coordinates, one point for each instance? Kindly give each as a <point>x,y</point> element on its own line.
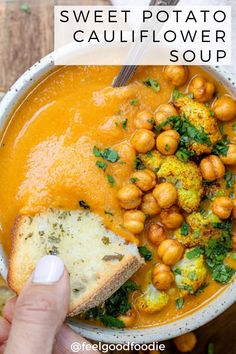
<point>49,269</point>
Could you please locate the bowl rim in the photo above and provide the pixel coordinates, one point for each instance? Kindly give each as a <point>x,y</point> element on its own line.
<point>208,310</point>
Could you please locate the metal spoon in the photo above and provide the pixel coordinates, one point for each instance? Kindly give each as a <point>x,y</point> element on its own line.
<point>127,71</point>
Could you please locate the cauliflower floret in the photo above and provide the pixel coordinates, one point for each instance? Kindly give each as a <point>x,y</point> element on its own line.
<point>152,160</point>
<point>190,272</point>
<point>152,300</point>
<point>199,116</point>
<point>187,179</point>
<point>217,189</point>
<point>199,230</point>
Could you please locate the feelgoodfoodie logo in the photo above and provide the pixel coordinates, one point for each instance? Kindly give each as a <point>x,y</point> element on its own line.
<point>77,347</point>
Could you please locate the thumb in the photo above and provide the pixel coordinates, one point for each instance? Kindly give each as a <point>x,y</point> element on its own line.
<point>40,309</point>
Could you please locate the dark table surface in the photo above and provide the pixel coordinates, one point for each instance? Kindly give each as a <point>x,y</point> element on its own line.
<point>25,38</point>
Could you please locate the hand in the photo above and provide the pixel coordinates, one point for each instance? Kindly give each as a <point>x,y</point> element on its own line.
<point>33,322</point>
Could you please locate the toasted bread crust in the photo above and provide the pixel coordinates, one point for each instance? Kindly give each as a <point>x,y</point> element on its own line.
<point>108,283</point>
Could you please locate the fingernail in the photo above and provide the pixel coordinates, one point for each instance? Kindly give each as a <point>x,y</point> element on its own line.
<point>49,269</point>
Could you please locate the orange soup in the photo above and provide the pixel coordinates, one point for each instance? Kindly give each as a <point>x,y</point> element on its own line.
<point>74,139</point>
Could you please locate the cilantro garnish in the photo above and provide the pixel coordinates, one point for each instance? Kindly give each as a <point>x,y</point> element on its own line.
<point>101,165</point>
<point>153,84</point>
<point>138,163</point>
<point>145,252</point>
<point>179,303</point>
<point>194,253</point>
<point>111,180</point>
<point>221,148</point>
<point>117,304</point>
<point>134,102</point>
<point>184,230</point>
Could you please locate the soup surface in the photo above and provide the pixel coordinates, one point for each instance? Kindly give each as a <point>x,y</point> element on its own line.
<point>48,159</point>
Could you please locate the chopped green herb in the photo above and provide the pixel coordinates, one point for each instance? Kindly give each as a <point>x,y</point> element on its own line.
<point>233,255</point>
<point>177,271</point>
<point>138,163</point>
<point>176,94</point>
<point>97,152</point>
<point>230,179</point>
<point>222,273</point>
<point>101,165</point>
<point>221,148</point>
<point>84,205</point>
<point>134,102</point>
<point>179,303</point>
<point>153,84</point>
<point>145,252</point>
<point>110,321</point>
<point>194,253</point>
<point>215,253</point>
<point>221,128</point>
<point>117,304</point>
<point>234,127</point>
<point>152,121</point>
<point>124,123</point>
<point>210,348</point>
<point>224,225</point>
<point>149,154</point>
<point>183,154</point>
<point>111,180</point>
<point>188,288</point>
<point>134,180</point>
<point>25,8</point>
<point>110,155</point>
<point>184,230</point>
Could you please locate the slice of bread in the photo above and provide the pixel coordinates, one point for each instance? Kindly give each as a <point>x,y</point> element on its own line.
<point>98,261</point>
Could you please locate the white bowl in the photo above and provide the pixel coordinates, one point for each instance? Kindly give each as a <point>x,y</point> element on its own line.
<point>207,312</point>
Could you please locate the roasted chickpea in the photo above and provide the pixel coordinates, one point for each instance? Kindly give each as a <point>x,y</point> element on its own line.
<point>225,108</point>
<point>149,205</point>
<point>170,251</point>
<point>171,218</point>
<point>234,241</point>
<point>134,221</point>
<point>162,277</point>
<point>177,74</point>
<point>201,89</point>
<point>143,120</point>
<point>234,209</point>
<point>230,158</point>
<point>186,343</point>
<point>167,142</point>
<point>126,152</point>
<point>145,179</point>
<point>129,196</point>
<point>143,140</point>
<point>222,207</point>
<point>156,234</point>
<point>165,194</point>
<point>128,318</point>
<point>163,112</point>
<point>212,168</point>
